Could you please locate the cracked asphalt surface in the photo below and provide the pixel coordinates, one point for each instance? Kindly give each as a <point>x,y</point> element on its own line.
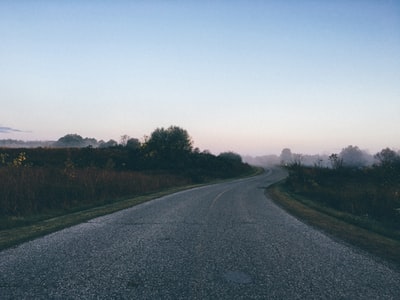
<point>224,241</point>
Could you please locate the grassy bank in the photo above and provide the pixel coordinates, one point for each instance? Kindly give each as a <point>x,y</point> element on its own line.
<point>369,236</point>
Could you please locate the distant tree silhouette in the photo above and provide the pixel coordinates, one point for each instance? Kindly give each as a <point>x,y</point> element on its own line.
<point>231,156</point>
<point>124,139</point>
<point>352,156</point>
<point>133,144</point>
<point>110,143</point>
<point>286,156</point>
<point>70,140</point>
<point>169,147</point>
<point>387,157</point>
<point>336,161</point>
<point>75,141</point>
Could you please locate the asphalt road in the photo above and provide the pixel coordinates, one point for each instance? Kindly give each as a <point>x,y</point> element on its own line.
<point>225,241</point>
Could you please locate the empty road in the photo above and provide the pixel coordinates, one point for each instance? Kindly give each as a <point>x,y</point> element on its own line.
<point>224,241</point>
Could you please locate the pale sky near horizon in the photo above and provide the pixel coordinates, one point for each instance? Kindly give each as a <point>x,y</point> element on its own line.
<point>247,76</point>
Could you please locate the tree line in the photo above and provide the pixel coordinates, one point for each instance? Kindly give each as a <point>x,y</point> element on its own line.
<point>168,149</point>
<point>350,156</point>
<point>369,192</point>
<point>39,180</point>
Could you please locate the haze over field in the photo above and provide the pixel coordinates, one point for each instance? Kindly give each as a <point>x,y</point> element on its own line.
<point>253,77</point>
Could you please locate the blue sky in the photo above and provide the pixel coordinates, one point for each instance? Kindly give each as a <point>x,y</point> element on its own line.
<point>247,76</point>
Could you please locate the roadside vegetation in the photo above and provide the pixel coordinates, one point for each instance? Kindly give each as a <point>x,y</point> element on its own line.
<point>41,183</point>
<point>366,197</point>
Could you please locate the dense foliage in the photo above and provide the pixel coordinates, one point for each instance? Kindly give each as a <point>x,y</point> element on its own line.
<point>371,192</point>
<point>38,180</point>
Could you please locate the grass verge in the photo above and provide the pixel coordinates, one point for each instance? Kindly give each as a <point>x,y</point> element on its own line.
<point>14,236</point>
<point>377,244</point>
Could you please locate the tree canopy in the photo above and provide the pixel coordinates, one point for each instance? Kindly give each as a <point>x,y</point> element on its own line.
<point>168,145</point>
<point>231,156</point>
<point>352,156</point>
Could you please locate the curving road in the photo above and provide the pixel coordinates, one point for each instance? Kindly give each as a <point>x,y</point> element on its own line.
<point>224,241</point>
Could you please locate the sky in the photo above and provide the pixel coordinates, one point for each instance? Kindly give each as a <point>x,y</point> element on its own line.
<point>246,76</point>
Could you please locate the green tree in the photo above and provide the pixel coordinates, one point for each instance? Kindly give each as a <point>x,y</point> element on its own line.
<point>133,144</point>
<point>336,161</point>
<point>169,147</point>
<point>109,144</point>
<point>286,156</point>
<point>231,156</point>
<point>70,140</point>
<point>124,139</point>
<point>353,157</point>
<point>387,157</point>
<point>75,141</point>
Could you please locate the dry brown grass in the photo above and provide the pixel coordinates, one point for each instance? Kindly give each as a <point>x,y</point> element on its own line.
<point>13,236</point>
<point>39,225</point>
<point>34,191</point>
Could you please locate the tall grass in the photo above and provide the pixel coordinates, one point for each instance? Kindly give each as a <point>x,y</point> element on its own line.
<point>371,193</point>
<point>42,181</point>
<point>28,190</point>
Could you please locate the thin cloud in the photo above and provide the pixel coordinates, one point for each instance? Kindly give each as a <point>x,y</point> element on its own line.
<point>4,129</point>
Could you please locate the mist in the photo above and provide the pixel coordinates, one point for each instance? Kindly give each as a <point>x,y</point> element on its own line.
<point>350,156</point>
